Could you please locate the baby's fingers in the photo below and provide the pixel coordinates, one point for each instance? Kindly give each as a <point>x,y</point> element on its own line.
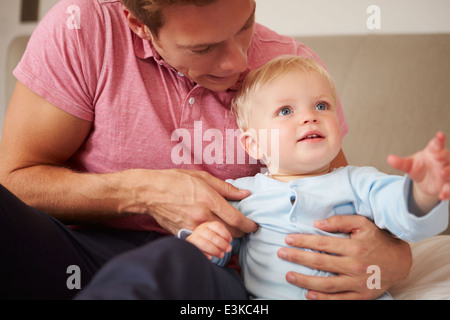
<point>218,238</point>
<point>445,192</point>
<point>399,163</point>
<point>220,229</point>
<point>438,142</point>
<point>443,156</point>
<point>445,174</point>
<point>214,246</point>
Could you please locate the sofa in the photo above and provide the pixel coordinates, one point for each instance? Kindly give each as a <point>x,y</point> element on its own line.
<point>395,91</point>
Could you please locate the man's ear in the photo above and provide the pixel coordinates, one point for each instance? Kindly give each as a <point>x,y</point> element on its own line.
<point>249,142</point>
<point>137,26</point>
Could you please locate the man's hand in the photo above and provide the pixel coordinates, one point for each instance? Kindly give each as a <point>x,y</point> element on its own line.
<point>348,258</point>
<point>184,199</point>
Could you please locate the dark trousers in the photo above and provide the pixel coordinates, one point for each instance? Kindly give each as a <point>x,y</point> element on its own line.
<point>38,253</point>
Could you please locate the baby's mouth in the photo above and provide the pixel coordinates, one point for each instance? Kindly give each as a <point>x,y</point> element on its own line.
<point>311,136</point>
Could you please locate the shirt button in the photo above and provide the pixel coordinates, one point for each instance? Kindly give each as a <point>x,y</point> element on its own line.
<point>293,219</point>
<point>180,74</point>
<point>191,101</point>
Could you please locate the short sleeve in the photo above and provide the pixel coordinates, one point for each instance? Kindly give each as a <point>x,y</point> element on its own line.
<point>64,57</point>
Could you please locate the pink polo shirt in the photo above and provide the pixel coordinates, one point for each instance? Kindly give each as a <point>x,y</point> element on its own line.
<point>84,59</point>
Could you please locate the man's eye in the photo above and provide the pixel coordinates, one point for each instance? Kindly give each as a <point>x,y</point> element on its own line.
<point>285,111</point>
<point>203,51</point>
<point>321,106</point>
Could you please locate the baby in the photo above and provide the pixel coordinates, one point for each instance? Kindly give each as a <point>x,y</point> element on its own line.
<point>287,111</point>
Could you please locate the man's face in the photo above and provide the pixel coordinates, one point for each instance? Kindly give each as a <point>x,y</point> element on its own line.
<point>208,44</point>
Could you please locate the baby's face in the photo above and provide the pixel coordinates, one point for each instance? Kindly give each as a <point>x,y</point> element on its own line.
<point>301,107</point>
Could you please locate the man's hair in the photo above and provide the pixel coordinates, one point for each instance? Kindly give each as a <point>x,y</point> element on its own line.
<point>150,12</point>
<point>244,100</point>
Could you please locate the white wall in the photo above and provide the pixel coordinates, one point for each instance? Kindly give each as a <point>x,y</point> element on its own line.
<point>330,17</point>
<point>292,17</point>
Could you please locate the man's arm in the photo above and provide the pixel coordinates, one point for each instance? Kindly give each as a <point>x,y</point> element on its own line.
<point>38,138</point>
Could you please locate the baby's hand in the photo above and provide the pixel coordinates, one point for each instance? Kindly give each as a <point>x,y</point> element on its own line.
<point>212,238</point>
<point>428,168</point>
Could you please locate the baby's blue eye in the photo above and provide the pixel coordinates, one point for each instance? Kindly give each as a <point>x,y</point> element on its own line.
<point>285,111</point>
<point>321,106</point>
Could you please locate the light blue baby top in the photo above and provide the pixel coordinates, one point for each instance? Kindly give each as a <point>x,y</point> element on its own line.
<point>281,208</point>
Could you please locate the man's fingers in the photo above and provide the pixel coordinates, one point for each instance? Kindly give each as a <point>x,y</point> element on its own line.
<point>327,288</point>
<point>312,295</point>
<point>315,242</point>
<point>319,261</point>
<point>232,217</point>
<point>347,295</point>
<point>219,206</point>
<point>342,223</point>
<point>225,189</point>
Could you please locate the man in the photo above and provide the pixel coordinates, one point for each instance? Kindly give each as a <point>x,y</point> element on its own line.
<point>108,129</point>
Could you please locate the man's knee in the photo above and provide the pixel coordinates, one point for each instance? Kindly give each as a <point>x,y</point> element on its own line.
<point>174,249</point>
<point>167,268</point>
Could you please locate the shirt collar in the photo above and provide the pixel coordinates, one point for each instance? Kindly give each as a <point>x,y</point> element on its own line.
<point>144,49</point>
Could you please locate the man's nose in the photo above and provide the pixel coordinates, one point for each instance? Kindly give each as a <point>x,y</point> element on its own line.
<point>234,57</point>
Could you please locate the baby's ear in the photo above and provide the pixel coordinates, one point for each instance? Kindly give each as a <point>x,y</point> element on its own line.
<point>249,141</point>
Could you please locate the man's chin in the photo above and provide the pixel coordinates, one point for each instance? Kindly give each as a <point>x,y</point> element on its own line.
<point>218,84</point>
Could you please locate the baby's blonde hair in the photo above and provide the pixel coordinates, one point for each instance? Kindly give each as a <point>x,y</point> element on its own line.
<point>243,102</point>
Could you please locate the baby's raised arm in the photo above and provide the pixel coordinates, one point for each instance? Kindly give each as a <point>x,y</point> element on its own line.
<point>430,171</point>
